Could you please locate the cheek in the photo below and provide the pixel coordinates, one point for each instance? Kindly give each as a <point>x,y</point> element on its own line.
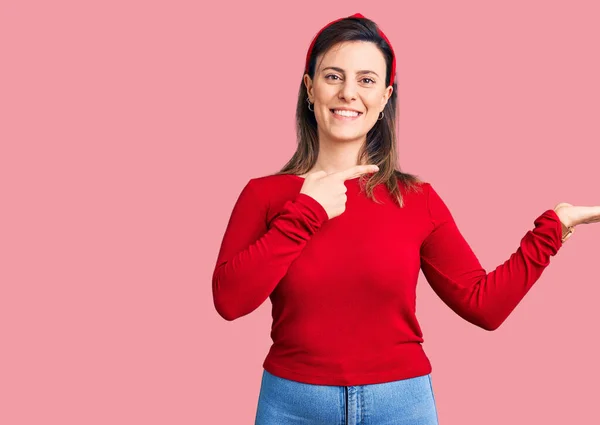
<point>372,104</point>
<point>321,114</point>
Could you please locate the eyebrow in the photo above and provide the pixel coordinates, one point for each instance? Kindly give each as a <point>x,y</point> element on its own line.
<point>364,71</point>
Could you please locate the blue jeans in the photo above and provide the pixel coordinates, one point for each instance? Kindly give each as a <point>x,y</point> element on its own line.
<point>404,402</point>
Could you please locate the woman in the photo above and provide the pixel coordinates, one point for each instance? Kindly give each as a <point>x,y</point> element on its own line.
<point>336,240</point>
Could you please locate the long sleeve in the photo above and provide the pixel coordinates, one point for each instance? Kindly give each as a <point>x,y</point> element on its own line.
<point>457,277</point>
<point>256,253</point>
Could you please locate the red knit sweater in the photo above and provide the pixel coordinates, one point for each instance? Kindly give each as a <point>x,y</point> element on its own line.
<point>343,290</point>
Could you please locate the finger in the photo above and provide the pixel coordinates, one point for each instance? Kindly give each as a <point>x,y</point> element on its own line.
<point>355,171</point>
<point>588,214</point>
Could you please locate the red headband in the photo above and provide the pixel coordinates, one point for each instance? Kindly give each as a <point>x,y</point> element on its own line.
<point>356,15</point>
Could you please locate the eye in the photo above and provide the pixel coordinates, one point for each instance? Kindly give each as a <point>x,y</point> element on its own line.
<point>371,81</point>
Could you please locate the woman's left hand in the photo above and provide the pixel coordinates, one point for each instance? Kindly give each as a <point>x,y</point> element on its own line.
<point>570,216</point>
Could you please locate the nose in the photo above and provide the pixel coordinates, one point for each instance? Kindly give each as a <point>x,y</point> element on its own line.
<point>348,90</point>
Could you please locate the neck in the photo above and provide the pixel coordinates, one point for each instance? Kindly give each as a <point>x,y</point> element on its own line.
<point>337,155</point>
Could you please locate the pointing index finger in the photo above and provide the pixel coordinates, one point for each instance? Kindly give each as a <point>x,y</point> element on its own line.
<point>356,171</point>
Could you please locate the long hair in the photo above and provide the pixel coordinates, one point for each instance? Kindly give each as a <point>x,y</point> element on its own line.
<point>380,148</point>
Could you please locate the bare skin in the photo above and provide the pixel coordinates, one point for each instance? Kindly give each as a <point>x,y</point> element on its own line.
<point>350,76</point>
<point>329,189</point>
<point>571,216</point>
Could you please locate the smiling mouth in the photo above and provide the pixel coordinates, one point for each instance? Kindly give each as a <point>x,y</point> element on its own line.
<point>346,116</point>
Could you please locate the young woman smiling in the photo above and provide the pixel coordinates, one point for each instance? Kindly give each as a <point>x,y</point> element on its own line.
<point>337,238</point>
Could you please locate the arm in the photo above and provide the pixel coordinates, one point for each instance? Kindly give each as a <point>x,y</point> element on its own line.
<point>254,255</point>
<point>456,276</point>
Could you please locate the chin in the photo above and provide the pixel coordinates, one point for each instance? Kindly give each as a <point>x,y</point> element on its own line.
<point>346,136</point>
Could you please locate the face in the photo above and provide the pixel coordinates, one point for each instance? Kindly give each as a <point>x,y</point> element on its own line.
<point>350,76</point>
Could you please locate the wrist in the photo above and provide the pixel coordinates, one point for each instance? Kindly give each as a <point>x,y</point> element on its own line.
<point>566,232</point>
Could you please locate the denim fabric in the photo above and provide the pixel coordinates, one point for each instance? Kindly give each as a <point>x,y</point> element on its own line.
<point>404,402</point>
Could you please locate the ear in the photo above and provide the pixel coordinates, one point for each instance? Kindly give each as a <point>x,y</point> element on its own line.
<point>386,95</point>
<point>309,87</point>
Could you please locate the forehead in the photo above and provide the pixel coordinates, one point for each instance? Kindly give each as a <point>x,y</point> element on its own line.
<point>353,55</point>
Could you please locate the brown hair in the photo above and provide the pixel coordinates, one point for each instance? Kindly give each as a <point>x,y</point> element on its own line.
<point>380,147</point>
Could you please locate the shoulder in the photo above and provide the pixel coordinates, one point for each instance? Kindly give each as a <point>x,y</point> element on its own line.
<point>268,188</point>
<point>412,185</point>
<point>270,192</point>
<point>274,182</point>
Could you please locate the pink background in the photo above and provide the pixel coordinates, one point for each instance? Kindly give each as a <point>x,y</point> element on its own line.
<point>129,128</point>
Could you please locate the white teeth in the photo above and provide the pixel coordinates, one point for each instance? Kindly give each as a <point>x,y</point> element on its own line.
<point>345,113</point>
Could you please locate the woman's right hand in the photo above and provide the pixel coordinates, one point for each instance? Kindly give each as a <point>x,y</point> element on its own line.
<point>329,190</point>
